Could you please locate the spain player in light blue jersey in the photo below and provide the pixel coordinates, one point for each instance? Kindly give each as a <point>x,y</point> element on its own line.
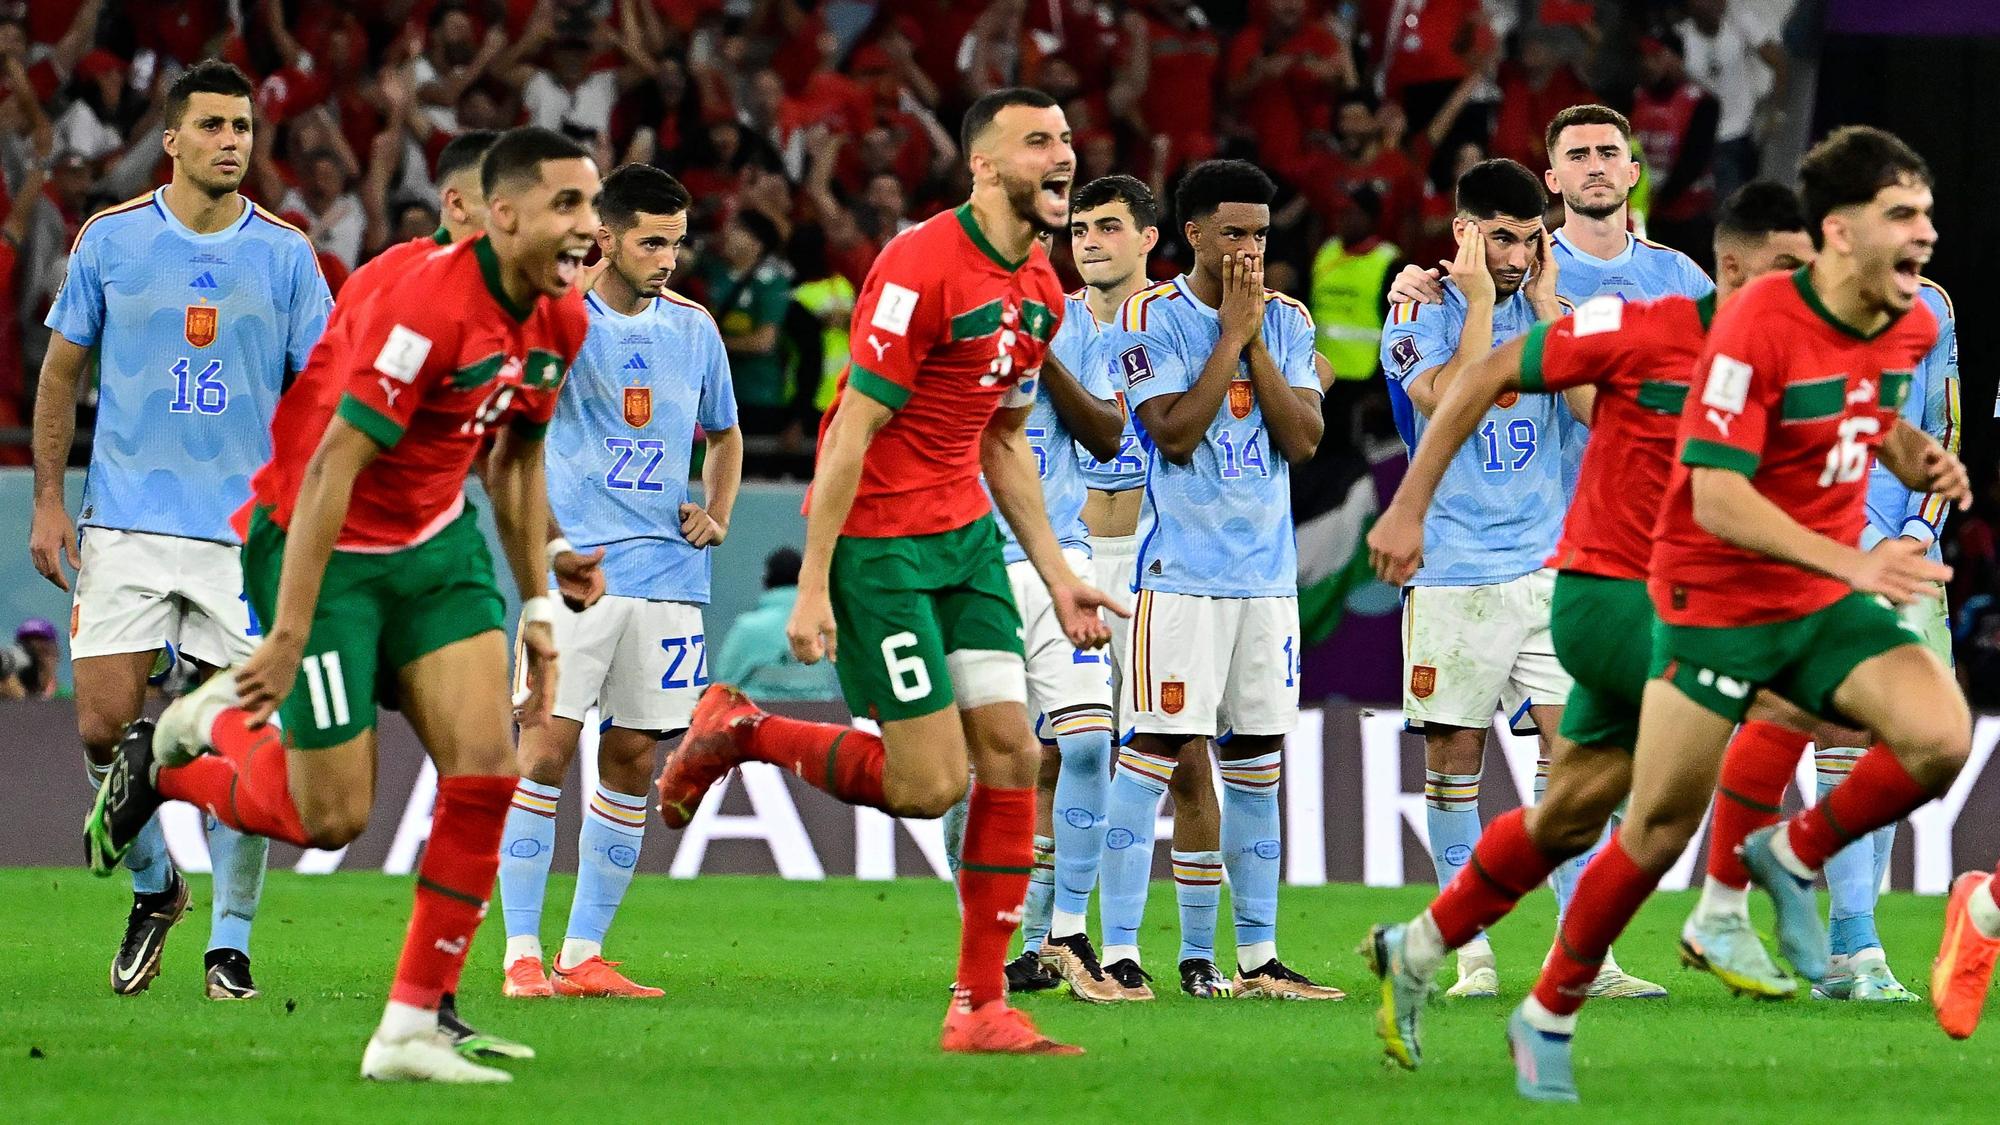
<point>198,306</point>
<point>652,375</point>
<point>1220,372</point>
<point>1476,614</point>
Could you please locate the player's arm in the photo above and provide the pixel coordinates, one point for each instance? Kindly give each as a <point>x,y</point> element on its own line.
<point>1475,336</point>
<point>1938,383</point>
<point>1290,401</point>
<point>857,418</point>
<point>1092,419</point>
<point>1008,462</point>
<point>519,487</point>
<point>1924,466</point>
<point>1729,507</point>
<point>1178,422</point>
<point>52,538</point>
<point>706,523</point>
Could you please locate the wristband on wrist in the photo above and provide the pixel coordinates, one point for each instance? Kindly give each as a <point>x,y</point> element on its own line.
<point>557,546</point>
<point>540,608</point>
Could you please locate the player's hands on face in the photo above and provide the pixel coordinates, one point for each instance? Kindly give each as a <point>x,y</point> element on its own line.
<point>1946,476</point>
<point>1468,267</point>
<point>535,650</point>
<point>1897,570</point>
<point>264,680</point>
<point>811,630</point>
<point>1418,285</point>
<point>1541,283</point>
<point>700,528</point>
<point>51,540</point>
<point>580,578</point>
<point>1242,309</point>
<point>1396,545</point>
<point>1076,608</point>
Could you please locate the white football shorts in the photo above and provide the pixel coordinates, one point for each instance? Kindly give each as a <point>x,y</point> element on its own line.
<point>1199,666</point>
<point>1468,650</point>
<point>139,591</point>
<point>641,663</point>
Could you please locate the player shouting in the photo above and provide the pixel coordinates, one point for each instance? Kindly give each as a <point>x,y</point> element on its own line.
<point>368,564</point>
<point>904,565</point>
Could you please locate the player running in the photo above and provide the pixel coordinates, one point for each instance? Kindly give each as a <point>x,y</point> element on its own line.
<point>200,306</point>
<point>1638,358</point>
<point>367,562</point>
<point>651,373</point>
<point>1476,614</point>
<point>1220,372</point>
<point>1758,583</point>
<point>904,565</point>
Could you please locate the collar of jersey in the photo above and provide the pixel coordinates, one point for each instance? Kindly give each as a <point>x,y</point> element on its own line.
<point>1194,302</point>
<point>1803,279</point>
<point>978,238</point>
<point>1618,259</point>
<point>489,271</point>
<point>187,232</point>
<point>591,298</point>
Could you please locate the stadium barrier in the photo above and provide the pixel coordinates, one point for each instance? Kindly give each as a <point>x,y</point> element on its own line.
<point>1352,795</point>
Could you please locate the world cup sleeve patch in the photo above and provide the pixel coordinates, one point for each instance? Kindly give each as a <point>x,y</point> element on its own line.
<point>403,354</point>
<point>1404,354</point>
<point>1728,387</point>
<point>893,309</point>
<point>1136,364</point>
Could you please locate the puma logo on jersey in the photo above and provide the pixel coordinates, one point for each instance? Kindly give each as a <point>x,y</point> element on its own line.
<point>1721,421</point>
<point>881,349</point>
<point>390,390</point>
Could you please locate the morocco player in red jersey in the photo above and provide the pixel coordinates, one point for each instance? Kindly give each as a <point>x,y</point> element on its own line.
<point>1635,360</point>
<point>1759,583</point>
<point>903,562</point>
<point>386,584</point>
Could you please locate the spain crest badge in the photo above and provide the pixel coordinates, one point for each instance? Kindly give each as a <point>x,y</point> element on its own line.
<point>1173,697</point>
<point>638,406</point>
<point>1240,400</point>
<point>1423,680</point>
<point>202,322</point>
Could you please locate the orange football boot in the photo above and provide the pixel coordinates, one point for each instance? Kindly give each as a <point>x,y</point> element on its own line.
<point>707,751</point>
<point>1964,965</point>
<point>598,977</point>
<point>996,1029</point>
<point>525,980</point>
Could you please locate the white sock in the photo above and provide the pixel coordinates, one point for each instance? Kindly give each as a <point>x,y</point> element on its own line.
<point>1423,947</point>
<point>1781,846</point>
<point>1480,948</point>
<point>406,1021</point>
<point>1255,955</point>
<point>1063,923</point>
<point>1980,907</point>
<point>1609,964</point>
<point>1541,1019</point>
<point>1720,900</point>
<point>527,945</point>
<point>575,951</point>
<point>1116,953</point>
<point>1872,955</point>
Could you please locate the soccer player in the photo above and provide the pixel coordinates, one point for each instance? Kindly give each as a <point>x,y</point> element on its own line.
<point>1476,614</point>
<point>368,564</point>
<point>1757,580</point>
<point>200,307</point>
<point>1638,358</point>
<point>1219,371</point>
<point>1114,226</point>
<point>652,370</point>
<point>903,564</point>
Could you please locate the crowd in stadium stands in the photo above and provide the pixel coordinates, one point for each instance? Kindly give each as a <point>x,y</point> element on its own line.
<point>811,132</point>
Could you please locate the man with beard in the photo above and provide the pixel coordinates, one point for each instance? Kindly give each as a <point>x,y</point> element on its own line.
<point>651,372</point>
<point>200,308</point>
<point>903,561</point>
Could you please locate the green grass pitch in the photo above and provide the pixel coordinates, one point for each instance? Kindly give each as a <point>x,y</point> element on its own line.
<point>821,1001</point>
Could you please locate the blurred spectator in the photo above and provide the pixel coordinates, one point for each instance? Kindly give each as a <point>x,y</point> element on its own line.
<point>1674,121</point>
<point>1283,73</point>
<point>1350,286</point>
<point>828,297</point>
<point>325,209</point>
<point>749,287</point>
<point>1543,82</point>
<point>757,656</point>
<point>1426,48</point>
<point>1741,63</point>
<point>1171,70</point>
<point>28,666</point>
<point>1356,156</point>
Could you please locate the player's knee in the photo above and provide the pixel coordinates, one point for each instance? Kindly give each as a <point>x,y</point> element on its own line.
<point>99,731</point>
<point>334,825</point>
<point>1655,838</point>
<point>541,764</point>
<point>932,797</point>
<point>1052,764</point>
<point>1191,780</point>
<point>1935,749</point>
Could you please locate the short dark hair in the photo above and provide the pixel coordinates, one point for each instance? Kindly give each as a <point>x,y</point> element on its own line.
<point>1759,208</point>
<point>1852,164</point>
<point>1212,183</point>
<point>760,227</point>
<point>1586,115</point>
<point>638,189</point>
<point>464,151</point>
<point>989,106</point>
<point>1500,186</point>
<point>781,568</point>
<point>209,76</point>
<point>1136,196</point>
<point>519,154</point>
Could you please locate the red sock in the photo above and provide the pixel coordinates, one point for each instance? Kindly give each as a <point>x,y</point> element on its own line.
<point>1760,760</point>
<point>841,760</point>
<point>992,885</point>
<point>1878,792</point>
<point>1607,896</point>
<point>243,783</point>
<point>453,882</point>
<point>1505,865</point>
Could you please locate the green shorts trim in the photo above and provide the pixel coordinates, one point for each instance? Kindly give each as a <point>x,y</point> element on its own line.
<point>903,604</point>
<point>1603,632</point>
<point>376,613</point>
<point>1804,660</point>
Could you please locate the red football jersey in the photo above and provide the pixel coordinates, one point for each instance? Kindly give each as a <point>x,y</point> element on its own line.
<point>431,354</point>
<point>943,330</point>
<point>1795,400</point>
<point>1640,357</point>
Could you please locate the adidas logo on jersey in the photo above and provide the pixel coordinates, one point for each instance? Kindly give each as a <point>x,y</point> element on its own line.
<point>205,281</point>
<point>635,363</point>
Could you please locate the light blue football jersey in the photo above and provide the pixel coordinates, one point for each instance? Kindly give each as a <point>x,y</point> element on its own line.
<point>1077,346</point>
<point>1499,509</point>
<point>196,336</point>
<point>1643,271</point>
<point>1127,470</point>
<point>1221,525</point>
<point>622,439</point>
<point>1933,408</point>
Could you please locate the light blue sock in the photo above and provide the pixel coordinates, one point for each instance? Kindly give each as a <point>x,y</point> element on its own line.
<point>614,827</point>
<point>1852,877</point>
<point>1571,870</point>
<point>1130,815</point>
<point>1250,854</point>
<point>1451,817</point>
<point>1082,791</point>
<point>1198,891</point>
<point>1041,896</point>
<point>237,862</point>
<point>527,846</point>
<point>147,859</point>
